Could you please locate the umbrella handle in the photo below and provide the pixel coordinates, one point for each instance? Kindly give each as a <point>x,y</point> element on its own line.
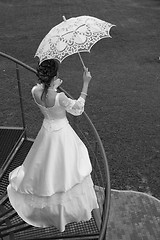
<point>82,61</point>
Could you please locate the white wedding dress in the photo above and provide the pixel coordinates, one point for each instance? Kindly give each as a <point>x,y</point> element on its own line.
<point>53,186</point>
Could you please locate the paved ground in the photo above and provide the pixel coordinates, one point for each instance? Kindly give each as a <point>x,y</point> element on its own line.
<point>133,216</point>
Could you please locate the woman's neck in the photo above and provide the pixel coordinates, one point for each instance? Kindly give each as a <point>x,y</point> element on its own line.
<point>52,84</point>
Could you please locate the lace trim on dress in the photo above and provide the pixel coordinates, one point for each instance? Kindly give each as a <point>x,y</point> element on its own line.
<point>79,190</point>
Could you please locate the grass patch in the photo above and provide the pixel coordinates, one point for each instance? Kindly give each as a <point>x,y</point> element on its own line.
<point>124,96</point>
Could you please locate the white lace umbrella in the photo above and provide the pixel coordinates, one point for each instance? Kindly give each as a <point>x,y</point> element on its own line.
<point>71,36</point>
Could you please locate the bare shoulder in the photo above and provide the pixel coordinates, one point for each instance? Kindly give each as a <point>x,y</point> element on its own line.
<point>62,95</point>
<point>37,88</point>
<point>63,99</point>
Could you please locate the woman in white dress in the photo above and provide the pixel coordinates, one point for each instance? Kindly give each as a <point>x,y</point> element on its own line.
<point>53,186</point>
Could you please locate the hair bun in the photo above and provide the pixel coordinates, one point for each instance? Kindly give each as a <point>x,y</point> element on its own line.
<point>47,70</point>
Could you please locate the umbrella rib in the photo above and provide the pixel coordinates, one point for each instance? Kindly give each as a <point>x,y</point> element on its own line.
<point>66,33</point>
<point>73,30</point>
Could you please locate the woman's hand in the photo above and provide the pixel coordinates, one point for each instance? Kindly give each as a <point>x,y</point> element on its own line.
<point>86,79</point>
<point>86,76</point>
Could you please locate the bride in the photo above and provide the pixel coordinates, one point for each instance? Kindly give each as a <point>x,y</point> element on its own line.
<point>53,186</point>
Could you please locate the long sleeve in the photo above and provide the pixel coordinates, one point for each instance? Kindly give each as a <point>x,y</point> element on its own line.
<point>75,107</point>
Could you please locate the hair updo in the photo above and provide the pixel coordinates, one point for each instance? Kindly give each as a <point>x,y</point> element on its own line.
<point>46,71</point>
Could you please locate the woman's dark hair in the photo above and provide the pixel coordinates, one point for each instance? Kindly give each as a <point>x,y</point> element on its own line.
<point>45,73</point>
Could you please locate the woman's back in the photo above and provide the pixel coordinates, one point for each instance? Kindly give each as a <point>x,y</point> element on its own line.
<point>56,104</point>
<point>49,107</point>
<point>46,101</point>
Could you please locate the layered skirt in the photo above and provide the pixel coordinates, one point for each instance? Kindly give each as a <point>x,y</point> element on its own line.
<point>53,187</point>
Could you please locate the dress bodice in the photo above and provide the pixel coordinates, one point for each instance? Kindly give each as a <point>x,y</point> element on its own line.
<point>55,112</point>
<point>62,104</point>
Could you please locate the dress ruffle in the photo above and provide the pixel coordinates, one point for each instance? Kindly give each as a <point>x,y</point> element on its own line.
<point>75,205</point>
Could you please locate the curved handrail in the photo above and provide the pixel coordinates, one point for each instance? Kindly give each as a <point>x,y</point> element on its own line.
<point>108,187</point>
<point>27,67</point>
<point>17,61</point>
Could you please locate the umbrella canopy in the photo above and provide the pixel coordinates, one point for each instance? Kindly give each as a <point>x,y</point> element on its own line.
<point>71,36</point>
